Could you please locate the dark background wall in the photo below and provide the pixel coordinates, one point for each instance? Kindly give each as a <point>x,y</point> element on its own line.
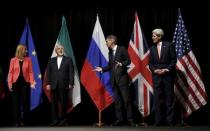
<point>118,19</point>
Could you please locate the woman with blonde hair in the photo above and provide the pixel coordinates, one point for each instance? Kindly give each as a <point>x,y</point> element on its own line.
<point>20,78</point>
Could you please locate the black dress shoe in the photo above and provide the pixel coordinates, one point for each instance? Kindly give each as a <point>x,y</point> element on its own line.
<point>62,123</point>
<point>22,124</point>
<point>19,124</point>
<point>54,123</point>
<point>170,124</point>
<point>157,124</point>
<point>117,123</point>
<point>16,124</point>
<point>131,123</point>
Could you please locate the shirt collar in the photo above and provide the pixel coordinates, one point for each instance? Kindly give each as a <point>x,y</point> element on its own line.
<point>159,44</point>
<point>59,57</point>
<point>115,48</point>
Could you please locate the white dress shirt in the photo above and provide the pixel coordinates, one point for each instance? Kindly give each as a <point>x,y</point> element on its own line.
<point>114,50</point>
<point>59,59</point>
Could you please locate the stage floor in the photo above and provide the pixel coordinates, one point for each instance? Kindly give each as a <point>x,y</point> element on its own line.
<point>106,128</point>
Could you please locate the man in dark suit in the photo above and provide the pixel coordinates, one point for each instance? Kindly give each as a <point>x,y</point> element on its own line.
<point>60,79</point>
<point>118,62</point>
<point>162,65</point>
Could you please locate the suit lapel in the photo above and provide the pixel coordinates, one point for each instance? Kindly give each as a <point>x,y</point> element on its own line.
<point>55,62</point>
<point>162,50</point>
<point>156,53</point>
<point>116,53</point>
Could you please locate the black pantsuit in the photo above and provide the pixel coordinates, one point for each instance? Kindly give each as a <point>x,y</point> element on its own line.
<point>21,99</point>
<point>21,102</point>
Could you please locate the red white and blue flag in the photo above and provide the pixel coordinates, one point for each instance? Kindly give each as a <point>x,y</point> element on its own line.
<point>189,87</point>
<point>97,84</point>
<point>139,72</point>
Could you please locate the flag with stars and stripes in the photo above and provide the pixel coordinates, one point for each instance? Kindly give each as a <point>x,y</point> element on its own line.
<point>26,39</point>
<point>189,87</point>
<point>139,72</point>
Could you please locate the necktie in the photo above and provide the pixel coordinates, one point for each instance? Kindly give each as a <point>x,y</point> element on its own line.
<point>113,61</point>
<point>159,50</point>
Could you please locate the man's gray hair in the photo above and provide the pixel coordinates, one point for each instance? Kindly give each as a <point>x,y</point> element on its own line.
<point>58,45</point>
<point>159,32</point>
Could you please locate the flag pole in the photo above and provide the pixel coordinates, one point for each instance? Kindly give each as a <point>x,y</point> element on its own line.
<point>142,123</point>
<point>183,121</point>
<point>99,124</point>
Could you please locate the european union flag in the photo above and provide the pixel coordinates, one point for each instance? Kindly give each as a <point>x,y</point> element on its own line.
<point>27,40</point>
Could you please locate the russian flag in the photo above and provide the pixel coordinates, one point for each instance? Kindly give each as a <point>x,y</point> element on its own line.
<point>98,85</point>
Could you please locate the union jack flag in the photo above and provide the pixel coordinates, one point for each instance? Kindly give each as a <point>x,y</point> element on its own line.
<point>189,87</point>
<point>139,72</point>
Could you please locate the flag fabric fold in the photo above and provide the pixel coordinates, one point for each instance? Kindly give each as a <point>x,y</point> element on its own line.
<point>26,39</point>
<point>64,40</point>
<point>98,85</point>
<point>189,87</point>
<point>139,72</point>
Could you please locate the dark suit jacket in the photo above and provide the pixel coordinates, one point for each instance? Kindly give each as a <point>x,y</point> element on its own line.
<point>62,77</point>
<point>119,74</point>
<point>167,59</point>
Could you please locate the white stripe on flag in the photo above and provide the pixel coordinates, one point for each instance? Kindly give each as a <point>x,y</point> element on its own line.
<point>100,39</point>
<point>182,101</point>
<point>190,82</point>
<point>186,92</point>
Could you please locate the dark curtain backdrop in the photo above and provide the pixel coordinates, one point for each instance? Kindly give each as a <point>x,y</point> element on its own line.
<point>45,23</point>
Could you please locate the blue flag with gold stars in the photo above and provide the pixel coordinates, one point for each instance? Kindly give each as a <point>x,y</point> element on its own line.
<point>35,97</point>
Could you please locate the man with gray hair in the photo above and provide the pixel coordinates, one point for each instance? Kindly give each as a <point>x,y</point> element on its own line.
<point>162,65</point>
<point>60,79</point>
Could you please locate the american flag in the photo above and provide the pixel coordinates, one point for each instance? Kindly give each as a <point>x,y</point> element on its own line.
<point>189,87</point>
<point>139,72</point>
